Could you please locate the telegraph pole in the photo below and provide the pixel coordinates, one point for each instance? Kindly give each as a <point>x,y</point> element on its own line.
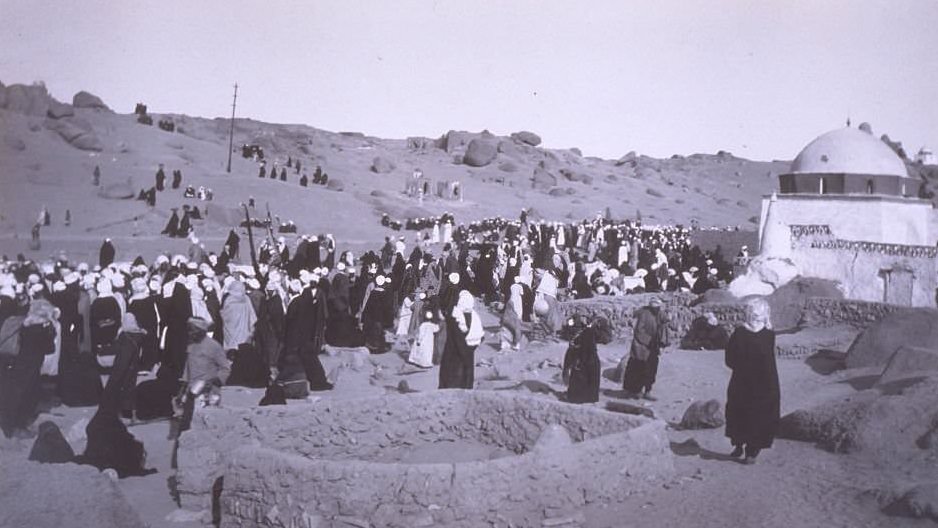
<point>234,103</point>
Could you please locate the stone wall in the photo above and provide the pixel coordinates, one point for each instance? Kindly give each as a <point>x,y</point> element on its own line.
<point>824,312</point>
<point>308,464</point>
<point>680,307</point>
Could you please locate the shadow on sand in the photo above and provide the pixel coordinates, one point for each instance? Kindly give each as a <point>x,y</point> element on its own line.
<point>690,447</point>
<point>826,362</point>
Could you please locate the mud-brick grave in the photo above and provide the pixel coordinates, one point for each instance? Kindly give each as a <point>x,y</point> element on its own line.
<point>453,457</point>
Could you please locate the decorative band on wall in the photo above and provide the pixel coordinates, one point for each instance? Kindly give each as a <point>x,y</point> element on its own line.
<point>805,230</point>
<point>896,250</point>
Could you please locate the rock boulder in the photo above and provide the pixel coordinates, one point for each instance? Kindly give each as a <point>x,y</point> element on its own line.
<point>879,342</point>
<point>528,138</point>
<point>382,165</point>
<point>703,415</point>
<point>909,362</point>
<point>86,100</point>
<point>480,153</point>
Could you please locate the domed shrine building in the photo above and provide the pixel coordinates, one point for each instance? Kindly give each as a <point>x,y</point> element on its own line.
<point>848,211</point>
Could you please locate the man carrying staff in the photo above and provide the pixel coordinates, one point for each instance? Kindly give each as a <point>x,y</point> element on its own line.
<point>649,336</point>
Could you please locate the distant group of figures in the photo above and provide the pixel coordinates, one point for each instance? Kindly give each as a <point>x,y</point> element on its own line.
<point>319,177</point>
<point>181,227</point>
<point>204,194</point>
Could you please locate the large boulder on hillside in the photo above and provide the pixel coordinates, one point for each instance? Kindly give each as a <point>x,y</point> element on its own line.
<point>59,110</point>
<point>788,301</point>
<point>543,180</point>
<point>871,421</point>
<point>630,159</point>
<point>76,132</point>
<point>54,496</point>
<point>528,138</point>
<point>381,165</point>
<point>31,100</point>
<point>909,362</point>
<point>913,327</point>
<point>480,153</point>
<point>335,185</point>
<point>86,100</point>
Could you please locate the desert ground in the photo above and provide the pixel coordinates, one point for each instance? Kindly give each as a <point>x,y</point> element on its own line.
<point>48,151</point>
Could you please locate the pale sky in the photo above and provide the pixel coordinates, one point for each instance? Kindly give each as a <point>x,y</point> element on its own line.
<point>759,79</point>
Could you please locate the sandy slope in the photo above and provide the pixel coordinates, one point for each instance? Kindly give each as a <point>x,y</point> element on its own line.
<point>38,167</point>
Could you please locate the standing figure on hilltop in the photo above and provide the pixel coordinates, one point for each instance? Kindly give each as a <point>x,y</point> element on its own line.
<point>68,217</point>
<point>185,225</point>
<point>273,172</point>
<point>753,396</point>
<point>160,178</point>
<point>650,336</point>
<point>177,178</point>
<point>464,333</point>
<point>283,174</point>
<point>96,179</point>
<point>317,175</point>
<point>34,243</point>
<point>304,181</point>
<point>297,165</point>
<point>262,171</point>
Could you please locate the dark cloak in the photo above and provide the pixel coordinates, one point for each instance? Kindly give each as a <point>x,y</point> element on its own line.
<point>581,367</point>
<point>753,397</point>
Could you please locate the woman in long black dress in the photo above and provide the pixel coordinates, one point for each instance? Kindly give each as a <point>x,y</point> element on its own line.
<point>581,368</point>
<point>753,397</point>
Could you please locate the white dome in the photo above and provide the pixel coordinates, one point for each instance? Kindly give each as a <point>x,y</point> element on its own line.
<point>848,151</point>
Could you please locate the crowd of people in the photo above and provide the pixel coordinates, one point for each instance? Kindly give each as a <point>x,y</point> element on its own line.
<point>204,319</point>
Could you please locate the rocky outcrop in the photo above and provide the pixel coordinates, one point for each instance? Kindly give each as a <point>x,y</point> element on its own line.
<point>543,180</point>
<point>76,132</point>
<point>335,184</point>
<point>480,153</point>
<point>577,176</point>
<point>528,138</point>
<point>33,100</point>
<point>880,424</point>
<point>909,362</point>
<point>454,140</point>
<point>59,110</point>
<point>86,100</point>
<point>909,327</point>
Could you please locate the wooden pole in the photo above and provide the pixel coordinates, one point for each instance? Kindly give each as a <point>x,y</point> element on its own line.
<point>234,103</point>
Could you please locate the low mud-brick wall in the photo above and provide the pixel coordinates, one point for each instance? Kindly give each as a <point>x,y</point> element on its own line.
<point>620,311</point>
<point>313,464</point>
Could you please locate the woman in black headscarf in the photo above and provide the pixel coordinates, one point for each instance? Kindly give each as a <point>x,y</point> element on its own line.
<point>581,368</point>
<point>374,315</point>
<point>20,389</point>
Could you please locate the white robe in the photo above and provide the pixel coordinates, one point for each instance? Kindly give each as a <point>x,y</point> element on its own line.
<point>421,352</point>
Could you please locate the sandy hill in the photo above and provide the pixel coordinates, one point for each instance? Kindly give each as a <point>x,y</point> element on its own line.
<point>48,151</point>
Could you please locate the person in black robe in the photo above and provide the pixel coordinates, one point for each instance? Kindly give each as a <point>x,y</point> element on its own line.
<point>269,326</point>
<point>581,285</point>
<point>341,330</point>
<point>374,316</point>
<point>79,383</point>
<point>283,174</point>
<point>649,337</point>
<point>151,197</point>
<point>457,362</point>
<point>143,307</point>
<point>20,389</point>
<point>106,253</point>
<point>317,175</point>
<point>105,323</point>
<point>50,446</point>
<point>705,333</point>
<point>262,172</point>
<point>304,181</point>
<point>273,173</point>
<point>177,178</point>
<point>582,369</point>
<point>303,327</point>
<point>153,398</point>
<point>160,179</point>
<point>753,397</point>
<point>172,227</point>
<point>184,226</point>
<point>233,244</point>
<point>177,310</point>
